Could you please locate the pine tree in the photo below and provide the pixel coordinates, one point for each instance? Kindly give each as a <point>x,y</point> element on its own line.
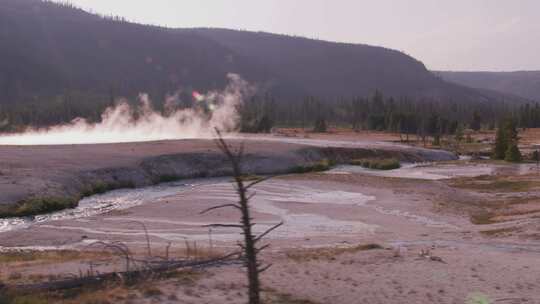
<point>320,125</point>
<point>501,143</point>
<point>536,156</point>
<point>459,133</point>
<point>476,122</point>
<point>513,154</point>
<point>506,142</point>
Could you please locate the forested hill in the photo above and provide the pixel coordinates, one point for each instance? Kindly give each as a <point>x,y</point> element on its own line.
<point>58,62</point>
<point>330,70</point>
<point>521,83</point>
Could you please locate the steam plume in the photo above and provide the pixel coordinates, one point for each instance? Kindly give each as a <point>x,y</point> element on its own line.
<point>124,123</point>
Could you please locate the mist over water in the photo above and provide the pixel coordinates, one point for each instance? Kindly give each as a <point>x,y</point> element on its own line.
<point>126,123</point>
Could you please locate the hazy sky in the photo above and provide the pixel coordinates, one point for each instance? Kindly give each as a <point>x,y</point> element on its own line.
<point>444,34</point>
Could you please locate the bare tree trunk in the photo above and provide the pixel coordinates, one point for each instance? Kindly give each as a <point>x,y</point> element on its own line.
<point>249,247</point>
<point>249,239</point>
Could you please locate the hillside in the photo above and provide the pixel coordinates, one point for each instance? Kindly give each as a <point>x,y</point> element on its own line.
<point>63,62</point>
<point>525,84</point>
<point>331,70</point>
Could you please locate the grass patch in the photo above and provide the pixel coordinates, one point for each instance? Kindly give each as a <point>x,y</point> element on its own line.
<point>306,255</point>
<point>28,299</point>
<point>101,187</point>
<point>493,183</point>
<point>319,166</point>
<point>377,163</point>
<point>38,205</point>
<point>482,218</point>
<point>167,178</point>
<point>499,232</point>
<point>112,291</point>
<point>47,256</point>
<point>47,204</point>
<point>280,298</point>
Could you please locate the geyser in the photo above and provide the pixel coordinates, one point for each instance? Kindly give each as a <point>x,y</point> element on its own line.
<point>125,123</point>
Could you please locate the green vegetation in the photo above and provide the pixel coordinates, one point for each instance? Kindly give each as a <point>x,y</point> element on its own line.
<point>535,156</point>
<point>496,184</point>
<point>166,178</point>
<point>100,187</point>
<point>306,255</point>
<point>28,299</point>
<point>279,298</point>
<point>38,205</point>
<point>377,164</point>
<point>482,218</point>
<point>257,115</point>
<point>48,256</point>
<point>108,291</point>
<point>513,154</point>
<point>506,142</point>
<point>47,204</point>
<point>319,166</point>
<point>499,231</point>
<point>320,125</point>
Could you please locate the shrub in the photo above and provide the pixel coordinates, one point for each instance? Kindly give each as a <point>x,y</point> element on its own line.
<point>319,166</point>
<point>100,187</point>
<point>377,164</point>
<point>166,178</point>
<point>437,140</point>
<point>39,205</point>
<point>513,154</point>
<point>320,125</point>
<point>47,204</point>
<point>535,156</point>
<point>506,141</point>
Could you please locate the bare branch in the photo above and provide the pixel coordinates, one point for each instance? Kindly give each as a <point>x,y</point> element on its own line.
<point>240,153</point>
<point>265,268</point>
<point>251,196</point>
<point>149,250</point>
<point>220,207</point>
<point>267,232</point>
<point>262,248</point>
<point>224,226</point>
<point>262,179</point>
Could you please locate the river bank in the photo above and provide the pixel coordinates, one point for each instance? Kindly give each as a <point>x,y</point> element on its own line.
<point>40,179</point>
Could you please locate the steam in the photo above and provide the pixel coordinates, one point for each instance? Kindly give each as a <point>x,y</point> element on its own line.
<point>125,123</point>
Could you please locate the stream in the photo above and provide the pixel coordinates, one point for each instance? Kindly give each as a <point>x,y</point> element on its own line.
<point>107,202</point>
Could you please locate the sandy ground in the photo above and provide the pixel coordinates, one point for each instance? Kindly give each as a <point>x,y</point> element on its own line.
<point>331,211</point>
<point>317,255</point>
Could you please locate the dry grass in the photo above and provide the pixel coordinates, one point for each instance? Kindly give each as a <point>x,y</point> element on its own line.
<point>483,218</point>
<point>496,183</point>
<point>499,198</point>
<point>49,256</point>
<point>108,292</point>
<point>500,231</point>
<point>306,255</point>
<point>271,296</point>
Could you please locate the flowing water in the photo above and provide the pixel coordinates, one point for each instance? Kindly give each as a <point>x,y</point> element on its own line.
<point>104,203</point>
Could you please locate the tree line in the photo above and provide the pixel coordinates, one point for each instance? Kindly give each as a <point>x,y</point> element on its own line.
<point>424,118</point>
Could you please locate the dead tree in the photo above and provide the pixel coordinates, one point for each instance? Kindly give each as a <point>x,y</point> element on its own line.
<point>249,247</point>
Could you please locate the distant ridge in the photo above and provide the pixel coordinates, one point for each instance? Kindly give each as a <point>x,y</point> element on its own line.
<point>50,49</point>
<point>525,84</point>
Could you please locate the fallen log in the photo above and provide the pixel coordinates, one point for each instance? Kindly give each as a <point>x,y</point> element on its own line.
<point>156,268</point>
